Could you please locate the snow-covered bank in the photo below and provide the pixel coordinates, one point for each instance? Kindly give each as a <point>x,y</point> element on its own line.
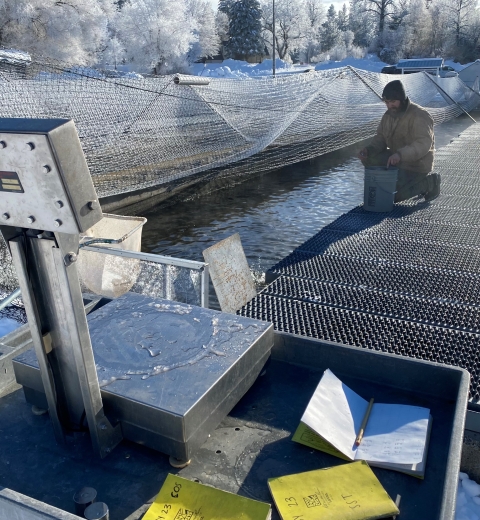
<point>241,69</point>
<point>468,499</point>
<point>236,69</point>
<point>371,63</point>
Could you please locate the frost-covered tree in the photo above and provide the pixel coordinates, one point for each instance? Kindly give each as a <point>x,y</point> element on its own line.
<point>331,31</point>
<point>362,23</point>
<point>221,25</point>
<point>157,34</point>
<point>382,10</point>
<point>222,20</point>
<point>437,29</point>
<point>460,15</point>
<point>245,29</point>
<point>315,13</point>
<point>68,30</point>
<point>207,42</point>
<point>291,25</point>
<point>416,27</point>
<point>342,19</point>
<point>113,54</point>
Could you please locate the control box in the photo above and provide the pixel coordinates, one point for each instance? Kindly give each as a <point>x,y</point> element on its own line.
<point>45,182</point>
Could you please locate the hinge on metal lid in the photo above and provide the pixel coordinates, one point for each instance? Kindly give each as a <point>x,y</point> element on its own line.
<point>47,343</point>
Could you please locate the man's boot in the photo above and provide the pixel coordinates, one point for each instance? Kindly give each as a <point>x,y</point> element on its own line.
<point>433,192</point>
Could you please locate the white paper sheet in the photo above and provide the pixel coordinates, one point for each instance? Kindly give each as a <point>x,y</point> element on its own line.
<point>336,412</point>
<point>395,433</point>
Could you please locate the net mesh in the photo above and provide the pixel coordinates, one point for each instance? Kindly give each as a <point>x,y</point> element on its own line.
<point>140,132</point>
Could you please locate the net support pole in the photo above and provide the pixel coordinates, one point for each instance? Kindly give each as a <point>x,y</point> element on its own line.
<point>364,81</point>
<point>274,42</point>
<point>449,97</point>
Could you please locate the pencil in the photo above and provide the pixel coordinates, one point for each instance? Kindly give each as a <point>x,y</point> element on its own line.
<point>359,438</point>
<point>397,503</point>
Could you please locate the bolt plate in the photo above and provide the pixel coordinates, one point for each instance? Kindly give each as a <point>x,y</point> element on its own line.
<point>37,191</point>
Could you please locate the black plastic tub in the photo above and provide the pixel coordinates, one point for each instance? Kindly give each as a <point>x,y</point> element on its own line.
<point>253,443</point>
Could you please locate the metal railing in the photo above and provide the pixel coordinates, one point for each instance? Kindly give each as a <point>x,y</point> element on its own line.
<point>201,269</point>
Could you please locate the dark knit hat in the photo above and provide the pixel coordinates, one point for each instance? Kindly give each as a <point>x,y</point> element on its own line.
<point>394,90</point>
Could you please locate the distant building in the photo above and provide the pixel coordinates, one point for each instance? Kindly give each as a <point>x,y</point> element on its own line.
<point>419,65</point>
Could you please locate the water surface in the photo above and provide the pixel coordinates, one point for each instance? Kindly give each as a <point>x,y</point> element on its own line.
<point>273,212</point>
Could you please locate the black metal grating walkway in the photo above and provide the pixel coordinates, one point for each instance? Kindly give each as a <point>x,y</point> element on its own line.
<point>405,282</point>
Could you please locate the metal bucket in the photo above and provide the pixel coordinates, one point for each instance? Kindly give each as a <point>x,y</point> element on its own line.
<point>105,274</point>
<point>379,188</point>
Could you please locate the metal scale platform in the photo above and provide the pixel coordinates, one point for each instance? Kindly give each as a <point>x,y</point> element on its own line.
<point>156,372</point>
<point>168,372</point>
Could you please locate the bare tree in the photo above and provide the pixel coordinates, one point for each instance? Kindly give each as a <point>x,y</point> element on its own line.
<point>291,25</point>
<point>461,13</point>
<point>382,9</point>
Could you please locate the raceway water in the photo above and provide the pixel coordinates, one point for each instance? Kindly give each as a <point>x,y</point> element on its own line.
<point>273,212</point>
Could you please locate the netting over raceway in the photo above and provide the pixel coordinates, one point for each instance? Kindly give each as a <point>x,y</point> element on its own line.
<point>139,132</point>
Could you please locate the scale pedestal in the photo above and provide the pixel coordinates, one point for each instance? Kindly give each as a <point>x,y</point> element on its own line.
<point>168,372</point>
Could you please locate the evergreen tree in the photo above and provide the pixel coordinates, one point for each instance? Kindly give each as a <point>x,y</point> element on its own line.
<point>225,6</point>
<point>245,29</point>
<point>361,23</point>
<point>343,19</point>
<point>330,29</point>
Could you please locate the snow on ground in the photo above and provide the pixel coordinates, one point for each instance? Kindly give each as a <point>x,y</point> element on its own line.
<point>371,63</point>
<point>236,69</point>
<point>468,499</point>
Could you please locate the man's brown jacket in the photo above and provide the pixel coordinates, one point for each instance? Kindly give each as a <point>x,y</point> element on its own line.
<point>410,135</point>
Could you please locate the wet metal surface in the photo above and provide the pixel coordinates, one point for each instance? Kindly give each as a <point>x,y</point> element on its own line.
<point>169,372</point>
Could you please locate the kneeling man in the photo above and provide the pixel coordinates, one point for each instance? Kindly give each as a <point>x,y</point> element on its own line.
<point>405,140</point>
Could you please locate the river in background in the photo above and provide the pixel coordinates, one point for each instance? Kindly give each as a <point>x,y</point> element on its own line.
<point>273,212</point>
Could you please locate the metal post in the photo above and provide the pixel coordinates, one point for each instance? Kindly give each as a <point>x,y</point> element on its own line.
<point>40,340</point>
<point>274,42</point>
<point>205,277</point>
